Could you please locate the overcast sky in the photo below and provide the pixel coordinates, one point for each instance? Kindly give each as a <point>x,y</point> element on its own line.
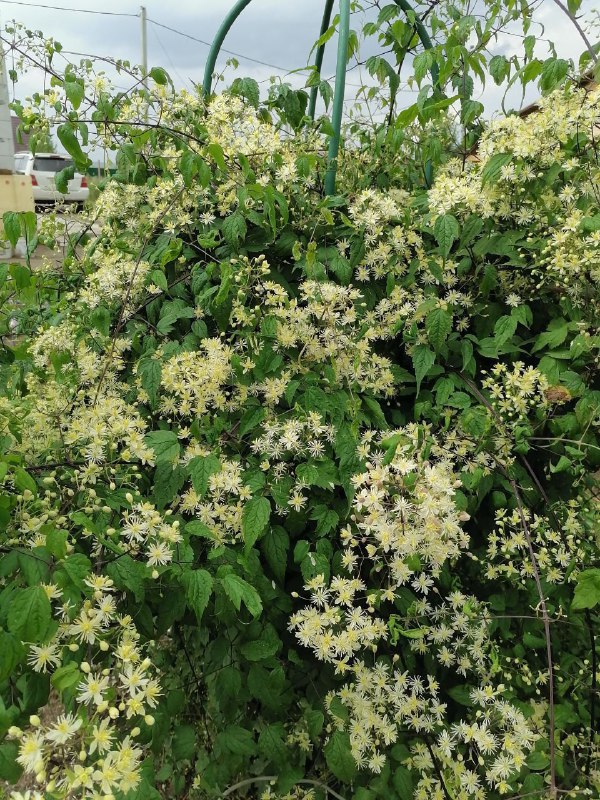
<point>280,32</point>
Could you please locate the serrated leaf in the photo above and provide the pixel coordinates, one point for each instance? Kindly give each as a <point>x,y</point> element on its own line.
<point>171,312</point>
<point>275,545</point>
<point>438,325</point>
<point>255,517</point>
<point>240,591</point>
<point>30,614</point>
<point>271,743</point>
<point>446,232</point>
<point>198,585</point>
<point>165,445</point>
<point>504,329</point>
<point>338,756</point>
<point>587,591</point>
<point>201,468</point>
<point>183,745</point>
<point>251,418</point>
<point>234,228</point>
<point>262,648</point>
<point>149,370</point>
<point>493,167</point>
<point>68,139</point>
<point>554,71</point>
<point>237,740</point>
<point>423,359</point>
<point>75,92</point>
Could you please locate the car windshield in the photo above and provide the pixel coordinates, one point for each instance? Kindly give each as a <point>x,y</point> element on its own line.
<point>51,164</point>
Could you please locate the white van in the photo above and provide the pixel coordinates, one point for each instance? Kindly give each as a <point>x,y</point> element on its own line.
<point>42,167</point>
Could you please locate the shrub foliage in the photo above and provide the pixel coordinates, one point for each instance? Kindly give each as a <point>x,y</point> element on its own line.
<point>298,491</point>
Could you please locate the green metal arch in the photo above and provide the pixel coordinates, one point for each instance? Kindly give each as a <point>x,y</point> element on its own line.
<point>319,56</point>
<point>340,73</point>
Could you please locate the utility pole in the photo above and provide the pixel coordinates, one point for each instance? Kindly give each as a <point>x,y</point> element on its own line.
<point>7,151</point>
<point>144,22</point>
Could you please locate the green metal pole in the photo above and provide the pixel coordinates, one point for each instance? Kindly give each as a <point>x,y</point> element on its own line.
<point>423,36</point>
<point>435,70</point>
<point>319,57</point>
<point>338,96</point>
<point>218,43</point>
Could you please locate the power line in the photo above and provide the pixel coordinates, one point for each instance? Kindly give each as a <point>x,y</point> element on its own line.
<point>165,27</point>
<point>170,60</point>
<point>223,49</point>
<point>64,8</point>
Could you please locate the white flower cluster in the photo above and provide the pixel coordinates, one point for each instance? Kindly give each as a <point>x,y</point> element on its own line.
<point>559,553</point>
<point>89,752</point>
<point>195,381</point>
<point>146,532</point>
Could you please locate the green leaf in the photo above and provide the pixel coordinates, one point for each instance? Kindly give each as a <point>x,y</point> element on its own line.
<point>165,445</point>
<point>587,591</point>
<point>275,545</point>
<point>68,139</point>
<point>423,359</point>
<point>476,422</point>
<point>159,76</point>
<point>78,567</point>
<point>446,232</point>
<point>240,591</point>
<point>158,278</point>
<point>24,481</point>
<point>201,468</point>
<point>9,768</point>
<point>262,648</point>
<point>149,370</point>
<point>66,677</point>
<point>493,167</point>
<point>255,518</point>
<point>56,543</point>
<point>327,519</point>
<point>403,782</point>
<point>11,222</point>
<point>438,325</point>
<point>128,575</point>
<point>499,67</point>
<point>168,481</point>
<point>555,335</point>
<point>339,758</point>
<point>554,71</point>
<point>21,274</point>
<point>11,652</point>
<point>197,528</point>
<point>183,745</point>
<point>217,154</point>
<point>74,91</point>
<point>198,585</point>
<point>271,743</point>
<point>252,418</point>
<point>171,312</point>
<point>237,740</point>
<point>30,614</point>
<point>234,228</point>
<point>504,329</point>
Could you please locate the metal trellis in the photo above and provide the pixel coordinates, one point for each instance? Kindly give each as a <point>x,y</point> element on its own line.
<point>340,72</point>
